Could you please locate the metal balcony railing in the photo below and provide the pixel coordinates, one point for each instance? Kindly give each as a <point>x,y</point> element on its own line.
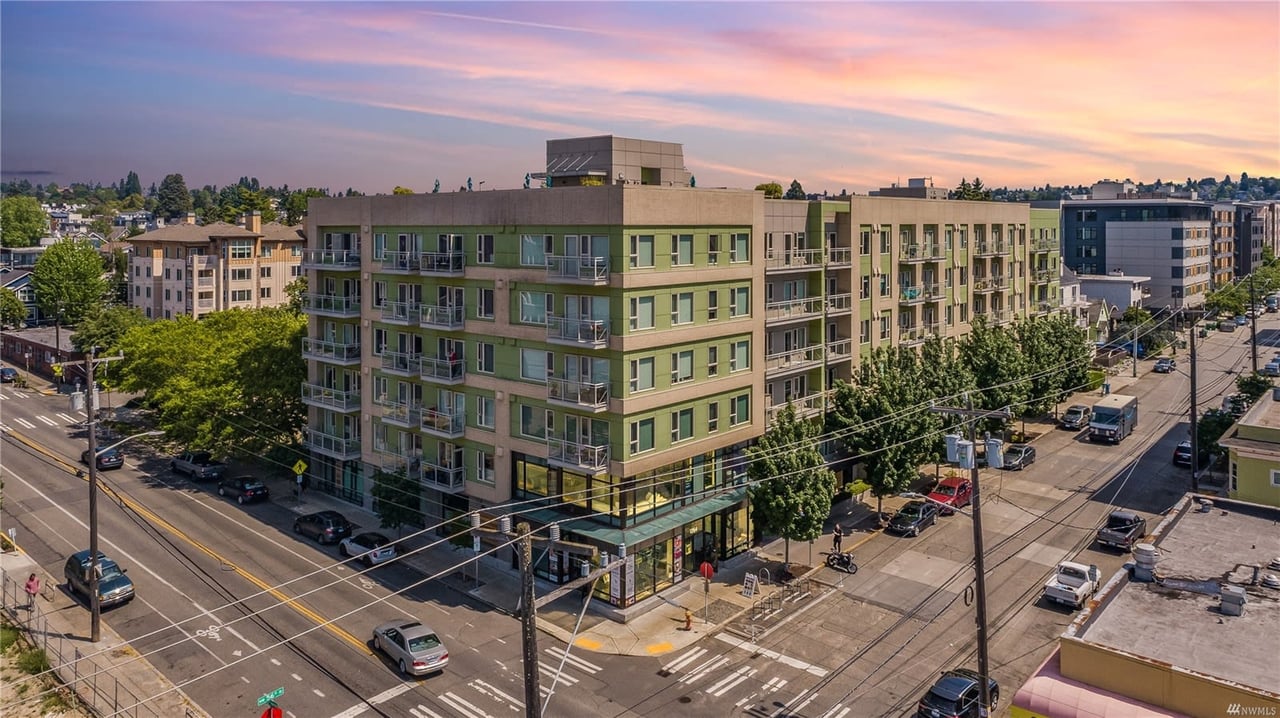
<point>332,352</point>
<point>333,446</point>
<point>573,455</point>
<point>794,359</point>
<point>587,270</point>
<point>443,371</point>
<point>805,406</point>
<point>584,332</point>
<point>330,259</point>
<point>839,303</point>
<point>839,256</point>
<point>404,363</point>
<point>447,264</point>
<point>796,259</point>
<point>401,261</point>
<point>443,478</point>
<point>594,396</point>
<point>400,413</point>
<point>448,424</point>
<point>787,309</point>
<point>331,305</point>
<point>443,316</point>
<point>839,349</point>
<point>401,312</point>
<point>330,398</point>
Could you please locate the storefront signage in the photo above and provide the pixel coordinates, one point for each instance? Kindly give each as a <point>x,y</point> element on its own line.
<point>750,583</point>
<point>631,579</point>
<point>677,557</point>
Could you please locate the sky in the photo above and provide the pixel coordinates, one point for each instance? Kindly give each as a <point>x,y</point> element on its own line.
<point>837,95</point>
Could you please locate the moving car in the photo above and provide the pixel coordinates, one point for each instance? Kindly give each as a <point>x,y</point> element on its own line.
<point>107,458</point>
<point>1019,456</point>
<point>954,492</point>
<point>370,547</point>
<point>244,488</point>
<point>197,465</point>
<point>1182,453</point>
<point>1076,417</point>
<point>912,518</point>
<point>416,649</point>
<point>113,586</point>
<point>957,694</point>
<point>1164,365</point>
<point>323,526</point>
<point>8,374</point>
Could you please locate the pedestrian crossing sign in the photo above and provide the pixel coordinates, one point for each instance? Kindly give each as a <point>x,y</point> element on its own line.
<point>300,468</point>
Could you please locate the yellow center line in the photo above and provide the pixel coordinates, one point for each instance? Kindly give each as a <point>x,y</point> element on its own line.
<point>156,520</point>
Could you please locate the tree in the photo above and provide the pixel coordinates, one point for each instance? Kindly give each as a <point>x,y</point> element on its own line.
<point>22,221</point>
<point>295,207</point>
<point>772,190</point>
<point>401,190</point>
<point>1229,300</point>
<point>68,280</point>
<point>131,186</point>
<point>1253,386</point>
<point>791,487</point>
<point>172,199</point>
<point>101,226</point>
<point>295,290</point>
<point>12,311</point>
<point>795,191</point>
<point>105,326</point>
<point>397,500</point>
<point>1000,369</point>
<point>1211,426</point>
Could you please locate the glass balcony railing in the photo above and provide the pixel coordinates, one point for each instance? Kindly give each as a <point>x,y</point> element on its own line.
<point>839,256</point>
<point>794,359</point>
<point>401,262</point>
<point>841,303</point>
<point>790,309</point>
<point>449,264</point>
<point>330,398</point>
<point>795,259</point>
<point>331,259</point>
<point>588,270</point>
<point>443,478</point>
<point>403,363</point>
<point>579,332</point>
<point>332,352</point>
<point>336,447</point>
<point>400,413</point>
<point>580,394</point>
<point>443,371</point>
<point>573,455</point>
<point>450,425</point>
<point>805,407</point>
<point>442,316</point>
<point>330,305</point>
<point>401,312</point>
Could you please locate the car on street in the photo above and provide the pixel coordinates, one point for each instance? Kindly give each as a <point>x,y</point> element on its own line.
<point>370,547</point>
<point>107,459</point>
<point>1019,456</point>
<point>114,587</point>
<point>1076,417</point>
<point>323,526</point>
<point>8,374</point>
<point>1235,404</point>
<point>1164,365</point>
<point>415,648</point>
<point>244,489</point>
<point>913,517</point>
<point>957,694</point>
<point>1241,320</point>
<point>1182,453</point>
<point>953,492</point>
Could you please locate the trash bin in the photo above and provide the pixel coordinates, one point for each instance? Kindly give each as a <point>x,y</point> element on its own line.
<point>1204,333</point>
<point>1106,388</point>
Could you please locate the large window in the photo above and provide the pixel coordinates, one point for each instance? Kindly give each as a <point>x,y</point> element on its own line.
<point>642,313</point>
<point>713,417</point>
<point>536,364</point>
<point>740,302</point>
<point>484,357</point>
<point>740,249</point>
<point>484,466</point>
<point>484,249</point>
<point>535,306</point>
<point>240,295</point>
<point>240,249</point>
<point>681,425</point>
<point>484,412</point>
<point>713,305</point>
<point>681,250</point>
<point>641,436</point>
<point>641,374</point>
<point>536,423</point>
<point>484,303</point>
<point>682,308</point>
<point>740,410</point>
<point>241,274</point>
<point>713,360</point>
<point>641,250</point>
<point>534,249</point>
<point>740,359</point>
<point>682,366</point>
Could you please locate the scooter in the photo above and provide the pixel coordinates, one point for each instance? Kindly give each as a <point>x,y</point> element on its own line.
<point>842,561</point>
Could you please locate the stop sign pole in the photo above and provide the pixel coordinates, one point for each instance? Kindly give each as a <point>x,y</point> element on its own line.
<point>707,571</point>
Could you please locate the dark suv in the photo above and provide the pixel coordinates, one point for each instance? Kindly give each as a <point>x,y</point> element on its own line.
<point>323,526</point>
<point>113,586</point>
<point>244,488</point>
<point>913,517</point>
<point>957,694</point>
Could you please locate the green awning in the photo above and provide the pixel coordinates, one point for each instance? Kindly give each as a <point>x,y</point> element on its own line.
<point>612,536</point>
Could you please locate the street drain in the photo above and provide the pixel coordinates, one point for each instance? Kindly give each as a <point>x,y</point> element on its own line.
<point>684,699</point>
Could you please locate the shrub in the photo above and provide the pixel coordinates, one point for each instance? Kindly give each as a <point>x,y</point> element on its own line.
<point>1096,378</point>
<point>33,661</point>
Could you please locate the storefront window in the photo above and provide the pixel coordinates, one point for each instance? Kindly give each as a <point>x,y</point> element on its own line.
<point>575,488</point>
<point>737,532</point>
<point>532,479</point>
<point>604,500</point>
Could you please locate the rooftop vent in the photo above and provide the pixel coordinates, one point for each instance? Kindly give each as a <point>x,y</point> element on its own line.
<point>1145,559</point>
<point>1232,601</point>
<point>1206,505</point>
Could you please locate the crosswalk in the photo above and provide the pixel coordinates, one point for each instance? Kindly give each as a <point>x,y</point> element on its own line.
<point>721,675</point>
<point>57,419</point>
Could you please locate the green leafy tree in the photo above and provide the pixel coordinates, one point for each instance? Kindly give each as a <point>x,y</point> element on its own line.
<point>795,191</point>
<point>172,199</point>
<point>22,221</point>
<point>104,326</point>
<point>1229,300</point>
<point>69,281</point>
<point>401,190</point>
<point>1254,386</point>
<point>1211,426</point>
<point>772,190</point>
<point>1000,369</point>
<point>295,207</point>
<point>101,226</point>
<point>12,311</point>
<point>792,487</point>
<point>397,500</point>
<point>294,290</point>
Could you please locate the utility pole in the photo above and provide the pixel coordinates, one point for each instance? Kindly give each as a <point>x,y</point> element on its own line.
<point>528,625</point>
<point>1195,437</point>
<point>1133,338</point>
<point>972,417</point>
<point>1253,321</point>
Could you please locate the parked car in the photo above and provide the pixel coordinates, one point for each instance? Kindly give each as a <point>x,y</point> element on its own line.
<point>912,518</point>
<point>1165,365</point>
<point>244,489</point>
<point>1122,530</point>
<point>1076,417</point>
<point>1226,326</point>
<point>8,374</point>
<point>113,586</point>
<point>1235,404</point>
<point>1182,453</point>
<point>953,492</point>
<point>1241,320</point>
<point>197,465</point>
<point>957,694</point>
<point>416,649</point>
<point>1019,456</point>
<point>1272,368</point>
<point>370,547</point>
<point>1073,584</point>
<point>107,459</point>
<point>323,526</point>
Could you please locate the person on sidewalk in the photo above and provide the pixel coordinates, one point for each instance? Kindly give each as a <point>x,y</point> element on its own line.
<point>32,588</point>
<point>837,535</point>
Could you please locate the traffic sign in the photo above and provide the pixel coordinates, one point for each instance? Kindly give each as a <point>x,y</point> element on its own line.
<point>300,467</point>
<point>267,698</point>
<point>272,712</point>
<point>707,570</point>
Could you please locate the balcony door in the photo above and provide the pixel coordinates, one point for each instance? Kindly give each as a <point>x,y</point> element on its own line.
<point>450,296</point>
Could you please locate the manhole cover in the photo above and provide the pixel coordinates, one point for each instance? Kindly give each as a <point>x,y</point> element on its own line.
<point>684,699</point>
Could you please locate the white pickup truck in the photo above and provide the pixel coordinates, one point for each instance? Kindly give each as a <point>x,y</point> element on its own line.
<point>1073,584</point>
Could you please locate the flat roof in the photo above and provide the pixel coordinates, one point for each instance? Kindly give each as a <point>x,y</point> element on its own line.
<point>1176,620</point>
<point>1112,278</point>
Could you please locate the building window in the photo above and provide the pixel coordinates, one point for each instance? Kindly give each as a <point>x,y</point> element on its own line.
<point>713,305</point>
<point>484,357</point>
<point>379,294</point>
<point>740,410</point>
<point>884,326</point>
<point>484,303</point>
<point>740,302</point>
<point>295,270</point>
<point>241,275</point>
<point>641,313</point>
<point>536,364</point>
<point>864,291</point>
<point>641,374</point>
<point>264,292</point>
<point>682,308</point>
<point>681,425</point>
<point>535,306</point>
<point>484,467</point>
<point>641,250</point>
<point>166,295</point>
<point>713,249</point>
<point>713,361</point>
<point>241,295</point>
<point>681,367</point>
<point>379,341</point>
<point>886,243</point>
<point>864,242</point>
<point>740,358</point>
<point>681,250</point>
<point>240,249</point>
<point>536,423</point>
<point>1275,477</point>
<point>713,417</point>
<point>740,250</point>
<point>166,269</point>
<point>641,436</point>
<point>534,249</point>
<point>264,272</point>
<point>484,412</point>
<point>864,330</point>
<point>484,249</point>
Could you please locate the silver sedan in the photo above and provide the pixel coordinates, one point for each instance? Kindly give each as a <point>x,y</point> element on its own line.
<point>416,649</point>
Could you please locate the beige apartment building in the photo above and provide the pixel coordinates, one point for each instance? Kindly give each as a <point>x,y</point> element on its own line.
<point>190,270</point>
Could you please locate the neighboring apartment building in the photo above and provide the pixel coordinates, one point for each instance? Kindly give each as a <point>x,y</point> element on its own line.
<point>1228,257</point>
<point>190,270</point>
<point>1257,228</point>
<point>1195,636</point>
<point>1118,291</point>
<point>1253,444</point>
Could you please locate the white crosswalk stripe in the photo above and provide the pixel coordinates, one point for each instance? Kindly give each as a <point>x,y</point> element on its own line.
<point>68,419</point>
<point>550,672</point>
<point>701,671</point>
<point>5,427</point>
<point>463,707</point>
<point>47,420</point>
<point>729,682</point>
<point>25,423</point>
<point>572,660</point>
<point>685,659</point>
<point>837,711</point>
<point>491,691</point>
<point>423,712</point>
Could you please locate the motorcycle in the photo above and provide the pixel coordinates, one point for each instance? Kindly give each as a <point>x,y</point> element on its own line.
<point>842,562</point>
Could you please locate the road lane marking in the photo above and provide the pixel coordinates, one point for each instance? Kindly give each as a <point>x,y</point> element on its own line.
<point>69,419</point>
<point>382,697</point>
<point>685,659</point>
<point>47,420</point>
<point>423,712</point>
<point>787,660</point>
<point>551,673</point>
<point>457,704</point>
<point>701,671</point>
<point>493,692</point>
<point>729,682</point>
<point>24,422</point>
<point>573,660</point>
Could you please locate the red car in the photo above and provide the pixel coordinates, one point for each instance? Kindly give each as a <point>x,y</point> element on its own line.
<point>953,492</point>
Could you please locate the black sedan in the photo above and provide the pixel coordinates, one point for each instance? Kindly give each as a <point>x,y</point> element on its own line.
<point>244,489</point>
<point>1019,456</point>
<point>1165,365</point>
<point>913,517</point>
<point>958,694</point>
<point>107,459</point>
<point>1182,453</point>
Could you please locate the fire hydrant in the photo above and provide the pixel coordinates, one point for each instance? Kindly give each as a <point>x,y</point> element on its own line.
<point>688,620</point>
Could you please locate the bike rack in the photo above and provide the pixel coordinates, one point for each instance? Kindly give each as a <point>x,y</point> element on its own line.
<point>765,577</point>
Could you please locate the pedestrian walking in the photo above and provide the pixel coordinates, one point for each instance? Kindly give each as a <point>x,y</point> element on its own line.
<point>32,588</point>
<point>836,536</point>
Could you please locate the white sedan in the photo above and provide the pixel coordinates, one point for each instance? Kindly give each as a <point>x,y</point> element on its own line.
<point>371,548</point>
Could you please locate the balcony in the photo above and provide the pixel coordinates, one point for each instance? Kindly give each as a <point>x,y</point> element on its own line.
<point>401,262</point>
<point>593,333</point>
<point>450,480</point>
<point>401,363</point>
<point>205,281</point>
<point>796,260</point>
<point>839,303</point>
<point>208,304</point>
<point>446,424</point>
<point>331,259</point>
<point>400,413</point>
<point>839,256</point>
<point>581,457</point>
<point>442,264</point>
<point>332,446</point>
<point>443,371</point>
<point>805,407</point>
<point>1042,276</point>
<point>578,269</point>
<point>330,305</point>
<point>995,316</point>
<point>794,360</point>
<point>990,249</point>
<point>1044,245</point>
<point>330,398</point>
<point>918,334</point>
<point>395,460</point>
<point>1045,307</point>
<point>331,352</point>
<point>790,310</point>
<point>593,397</point>
<point>913,253</point>
<point>403,313</point>
<point>841,349</point>
<point>442,316</point>
<point>990,284</point>
<point>920,293</point>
